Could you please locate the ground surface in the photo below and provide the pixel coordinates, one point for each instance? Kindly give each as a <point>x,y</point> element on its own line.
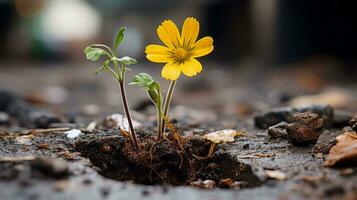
<point>220,101</point>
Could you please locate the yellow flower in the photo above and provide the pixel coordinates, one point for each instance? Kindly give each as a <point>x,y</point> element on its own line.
<point>181,50</point>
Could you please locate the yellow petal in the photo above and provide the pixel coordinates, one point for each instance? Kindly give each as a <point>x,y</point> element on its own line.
<point>190,30</point>
<point>157,49</point>
<point>171,71</point>
<point>202,47</point>
<point>159,58</point>
<point>196,65</point>
<point>188,70</point>
<point>169,34</point>
<point>191,68</point>
<point>158,53</point>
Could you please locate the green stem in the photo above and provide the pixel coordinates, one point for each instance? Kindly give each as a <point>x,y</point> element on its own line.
<point>118,73</point>
<point>113,72</point>
<point>166,107</point>
<point>159,122</point>
<point>106,47</point>
<point>127,112</point>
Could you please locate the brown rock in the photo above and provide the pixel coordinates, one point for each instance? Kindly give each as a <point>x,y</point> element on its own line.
<point>305,128</point>
<point>326,140</point>
<point>277,115</point>
<point>309,119</point>
<point>353,123</point>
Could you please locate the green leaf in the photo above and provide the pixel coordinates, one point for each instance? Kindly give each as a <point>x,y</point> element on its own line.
<point>150,85</point>
<point>155,93</point>
<point>144,80</point>
<point>126,60</point>
<point>93,53</point>
<point>119,37</point>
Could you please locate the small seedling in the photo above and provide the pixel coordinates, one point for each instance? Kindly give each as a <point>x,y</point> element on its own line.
<point>179,54</point>
<point>154,92</point>
<point>117,67</point>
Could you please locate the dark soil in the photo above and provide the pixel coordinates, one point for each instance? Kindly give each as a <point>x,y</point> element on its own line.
<point>168,162</point>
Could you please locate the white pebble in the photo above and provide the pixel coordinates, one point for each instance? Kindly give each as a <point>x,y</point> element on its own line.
<point>73,133</point>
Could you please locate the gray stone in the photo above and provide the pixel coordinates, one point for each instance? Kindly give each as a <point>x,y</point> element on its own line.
<point>278,130</point>
<point>326,140</point>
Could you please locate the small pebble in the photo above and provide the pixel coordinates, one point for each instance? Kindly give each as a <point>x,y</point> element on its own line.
<point>87,181</point>
<point>105,191</point>
<point>246,146</point>
<point>42,119</point>
<point>278,130</point>
<point>4,118</point>
<point>353,123</point>
<point>73,133</point>
<point>145,192</point>
<point>106,148</point>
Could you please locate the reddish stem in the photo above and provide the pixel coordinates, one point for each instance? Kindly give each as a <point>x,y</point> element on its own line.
<point>127,112</point>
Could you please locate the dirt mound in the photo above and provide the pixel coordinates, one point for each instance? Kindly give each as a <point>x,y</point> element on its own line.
<point>171,161</point>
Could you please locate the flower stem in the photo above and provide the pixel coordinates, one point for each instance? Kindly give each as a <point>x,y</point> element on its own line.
<point>166,107</point>
<point>127,112</point>
<point>159,121</point>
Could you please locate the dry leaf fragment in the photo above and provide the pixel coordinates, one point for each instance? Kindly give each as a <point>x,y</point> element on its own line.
<point>232,183</point>
<point>312,179</point>
<point>24,140</point>
<point>47,130</point>
<point>218,137</point>
<point>222,136</point>
<point>17,158</point>
<point>276,174</point>
<point>344,152</point>
<point>227,181</point>
<point>61,185</point>
<point>257,155</point>
<point>42,146</point>
<point>206,184</point>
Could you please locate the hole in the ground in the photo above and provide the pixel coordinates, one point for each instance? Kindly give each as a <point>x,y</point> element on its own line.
<point>166,163</point>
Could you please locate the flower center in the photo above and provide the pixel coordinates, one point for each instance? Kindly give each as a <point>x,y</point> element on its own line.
<point>180,54</point>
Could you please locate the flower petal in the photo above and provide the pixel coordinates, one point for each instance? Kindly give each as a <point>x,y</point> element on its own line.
<point>191,68</point>
<point>171,71</point>
<point>196,65</point>
<point>190,30</point>
<point>202,47</point>
<point>159,58</point>
<point>157,49</point>
<point>188,70</point>
<point>169,34</point>
<point>158,53</point>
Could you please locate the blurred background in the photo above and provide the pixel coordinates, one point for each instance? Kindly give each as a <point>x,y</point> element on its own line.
<point>268,53</point>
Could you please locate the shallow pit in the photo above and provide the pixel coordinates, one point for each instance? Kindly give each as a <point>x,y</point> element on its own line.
<point>169,162</point>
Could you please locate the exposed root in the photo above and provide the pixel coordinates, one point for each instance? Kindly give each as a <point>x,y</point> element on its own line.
<point>210,152</point>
